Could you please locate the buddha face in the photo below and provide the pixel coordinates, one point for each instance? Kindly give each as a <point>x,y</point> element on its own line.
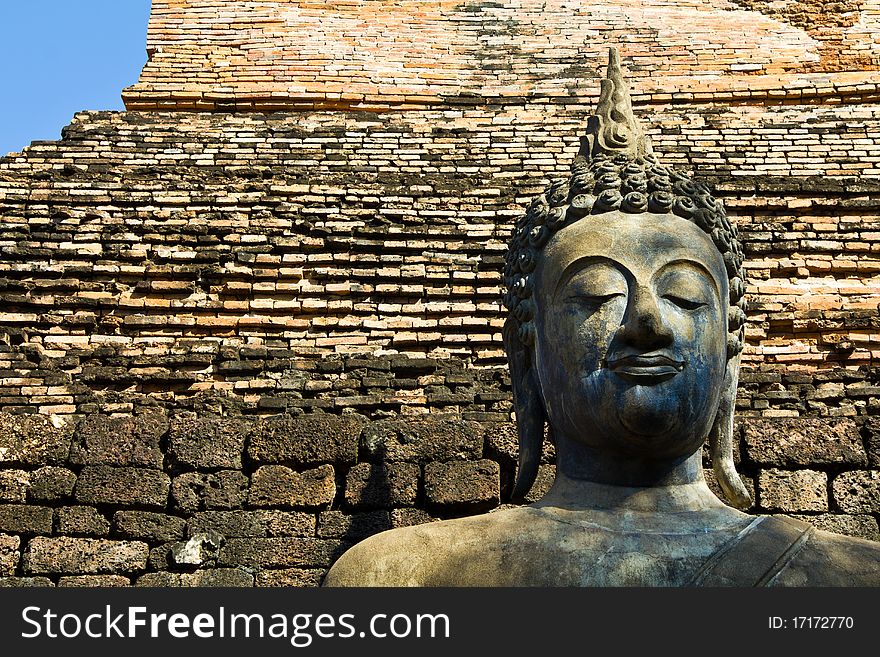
<point>631,333</point>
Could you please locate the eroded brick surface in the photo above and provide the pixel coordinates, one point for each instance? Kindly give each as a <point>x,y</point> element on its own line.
<point>123,441</point>
<point>278,486</point>
<point>412,54</point>
<point>804,441</point>
<point>462,485</point>
<point>792,491</point>
<point>858,491</point>
<point>9,554</point>
<point>73,556</point>
<point>208,442</point>
<point>100,484</point>
<point>385,485</point>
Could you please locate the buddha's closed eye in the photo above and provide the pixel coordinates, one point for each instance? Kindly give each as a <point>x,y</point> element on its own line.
<point>685,286</point>
<point>591,300</point>
<point>685,303</point>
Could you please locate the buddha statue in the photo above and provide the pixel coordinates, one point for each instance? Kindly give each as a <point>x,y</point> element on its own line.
<point>626,298</point>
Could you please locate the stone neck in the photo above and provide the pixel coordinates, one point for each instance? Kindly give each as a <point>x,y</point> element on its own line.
<point>579,461</point>
<point>587,479</point>
<point>575,495</point>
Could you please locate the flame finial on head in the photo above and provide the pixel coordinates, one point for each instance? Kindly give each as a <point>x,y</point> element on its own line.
<point>613,128</point>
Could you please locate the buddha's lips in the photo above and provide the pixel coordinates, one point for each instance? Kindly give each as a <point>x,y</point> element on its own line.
<point>646,368</point>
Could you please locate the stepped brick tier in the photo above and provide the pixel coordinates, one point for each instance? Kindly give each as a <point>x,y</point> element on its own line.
<point>380,54</point>
<point>233,342</point>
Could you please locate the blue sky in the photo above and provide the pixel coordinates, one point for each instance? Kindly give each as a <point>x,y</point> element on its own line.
<point>58,57</point>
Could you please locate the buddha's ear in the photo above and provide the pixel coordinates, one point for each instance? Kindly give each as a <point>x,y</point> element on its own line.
<point>528,406</point>
<point>721,441</point>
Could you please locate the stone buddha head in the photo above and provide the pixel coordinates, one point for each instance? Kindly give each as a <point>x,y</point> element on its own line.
<point>626,296</point>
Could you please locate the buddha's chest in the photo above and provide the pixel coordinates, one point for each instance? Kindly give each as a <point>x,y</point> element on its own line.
<point>592,558</point>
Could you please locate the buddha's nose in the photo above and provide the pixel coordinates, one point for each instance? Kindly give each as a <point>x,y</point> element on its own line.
<point>643,324</point>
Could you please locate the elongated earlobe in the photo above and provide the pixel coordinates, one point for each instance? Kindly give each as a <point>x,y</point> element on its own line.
<point>721,442</point>
<point>529,408</point>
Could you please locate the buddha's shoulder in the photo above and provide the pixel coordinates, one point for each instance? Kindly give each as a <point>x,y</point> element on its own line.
<point>433,554</point>
<point>828,559</point>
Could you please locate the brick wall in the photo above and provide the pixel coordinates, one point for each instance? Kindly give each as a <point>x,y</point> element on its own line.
<point>376,54</point>
<point>155,247</point>
<point>231,344</point>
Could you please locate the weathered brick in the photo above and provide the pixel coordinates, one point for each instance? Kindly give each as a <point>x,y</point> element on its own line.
<point>278,486</point>
<point>25,519</point>
<point>93,581</point>
<point>295,577</point>
<point>147,526</point>
<point>14,485</point>
<point>255,524</point>
<point>80,521</point>
<point>799,490</point>
<point>307,440</point>
<point>83,556</point>
<point>790,442</point>
<point>410,517</point>
<point>423,440</point>
<point>502,445</point>
<point>34,440</point>
<point>724,49</point>
<point>197,491</point>
<point>50,484</point>
<point>382,486</point>
<point>25,582</point>
<point>119,441</point>
<point>281,552</point>
<point>208,442</point>
<point>352,527</point>
<point>160,557</point>
<point>212,577</point>
<point>857,491</point>
<point>457,485</point>
<point>9,554</point>
<point>872,427</point>
<point>99,484</point>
